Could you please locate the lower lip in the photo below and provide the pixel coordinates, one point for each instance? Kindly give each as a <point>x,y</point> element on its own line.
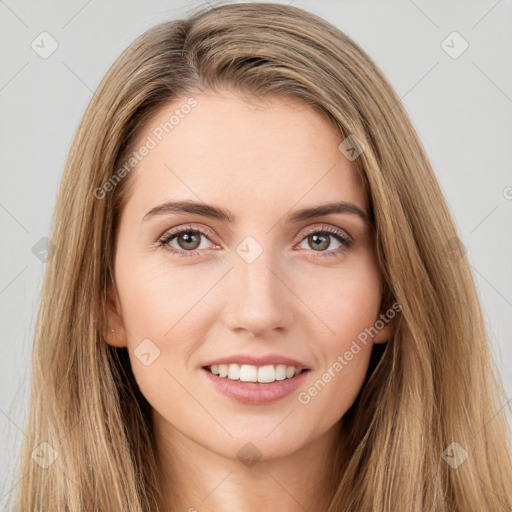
<point>255,393</point>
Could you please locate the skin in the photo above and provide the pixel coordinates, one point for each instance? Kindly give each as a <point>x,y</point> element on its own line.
<point>261,161</point>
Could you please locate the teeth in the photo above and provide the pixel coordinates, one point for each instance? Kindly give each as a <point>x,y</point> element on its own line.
<point>233,371</point>
<point>250,373</point>
<point>280,372</point>
<point>266,373</point>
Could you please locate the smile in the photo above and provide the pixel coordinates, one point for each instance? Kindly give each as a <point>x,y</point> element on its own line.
<point>255,384</point>
<point>250,373</point>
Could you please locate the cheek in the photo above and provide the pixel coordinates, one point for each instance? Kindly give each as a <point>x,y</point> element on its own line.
<point>333,389</point>
<point>345,357</point>
<point>349,306</point>
<point>346,301</point>
<point>161,301</point>
<point>167,313</point>
<point>161,309</point>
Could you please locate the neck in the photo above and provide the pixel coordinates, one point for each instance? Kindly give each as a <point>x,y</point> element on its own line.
<point>194,478</point>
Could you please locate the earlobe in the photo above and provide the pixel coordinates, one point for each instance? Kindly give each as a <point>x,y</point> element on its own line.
<point>111,339</point>
<point>384,335</point>
<point>116,334</point>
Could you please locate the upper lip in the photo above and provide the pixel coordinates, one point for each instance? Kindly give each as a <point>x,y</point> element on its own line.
<point>255,360</point>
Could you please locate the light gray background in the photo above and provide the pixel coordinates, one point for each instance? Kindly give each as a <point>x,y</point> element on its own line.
<point>461,107</point>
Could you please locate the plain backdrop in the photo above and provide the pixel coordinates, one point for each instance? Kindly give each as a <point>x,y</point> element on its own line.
<point>459,99</point>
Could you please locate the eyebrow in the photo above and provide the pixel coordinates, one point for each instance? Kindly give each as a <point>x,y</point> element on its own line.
<point>221,214</point>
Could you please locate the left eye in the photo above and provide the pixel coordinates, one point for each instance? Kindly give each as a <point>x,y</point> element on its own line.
<point>190,243</point>
<point>322,240</point>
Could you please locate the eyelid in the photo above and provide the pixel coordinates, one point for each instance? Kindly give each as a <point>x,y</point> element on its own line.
<point>206,230</point>
<point>208,233</point>
<point>187,227</point>
<point>328,228</point>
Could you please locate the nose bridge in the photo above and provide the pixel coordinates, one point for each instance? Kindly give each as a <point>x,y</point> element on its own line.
<point>258,299</point>
<point>257,278</point>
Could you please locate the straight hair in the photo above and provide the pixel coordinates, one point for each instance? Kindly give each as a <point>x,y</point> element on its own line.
<point>435,382</point>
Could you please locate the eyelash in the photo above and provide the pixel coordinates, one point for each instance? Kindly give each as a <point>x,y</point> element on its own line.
<point>329,230</point>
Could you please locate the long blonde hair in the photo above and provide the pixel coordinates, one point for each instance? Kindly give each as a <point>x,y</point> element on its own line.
<point>433,385</point>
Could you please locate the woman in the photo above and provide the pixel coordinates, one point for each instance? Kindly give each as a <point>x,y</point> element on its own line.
<point>257,299</point>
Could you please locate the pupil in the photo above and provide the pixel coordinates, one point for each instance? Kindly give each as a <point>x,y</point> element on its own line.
<point>189,239</point>
<point>325,240</point>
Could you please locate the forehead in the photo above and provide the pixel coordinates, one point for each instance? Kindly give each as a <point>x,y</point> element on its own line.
<point>272,153</point>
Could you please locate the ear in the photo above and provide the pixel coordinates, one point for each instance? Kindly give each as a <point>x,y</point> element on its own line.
<point>384,335</point>
<point>386,307</point>
<point>116,335</point>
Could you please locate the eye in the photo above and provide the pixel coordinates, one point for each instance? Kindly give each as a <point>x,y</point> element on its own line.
<point>319,239</point>
<point>187,238</point>
<point>189,243</point>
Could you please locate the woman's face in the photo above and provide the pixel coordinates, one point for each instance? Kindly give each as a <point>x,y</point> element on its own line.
<point>257,289</point>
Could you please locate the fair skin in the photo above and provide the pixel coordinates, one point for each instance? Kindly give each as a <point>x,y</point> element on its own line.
<point>261,162</point>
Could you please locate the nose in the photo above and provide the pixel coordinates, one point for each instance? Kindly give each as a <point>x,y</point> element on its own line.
<point>258,300</point>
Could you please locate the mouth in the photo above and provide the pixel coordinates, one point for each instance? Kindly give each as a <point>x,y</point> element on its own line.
<point>265,374</point>
<point>251,384</point>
